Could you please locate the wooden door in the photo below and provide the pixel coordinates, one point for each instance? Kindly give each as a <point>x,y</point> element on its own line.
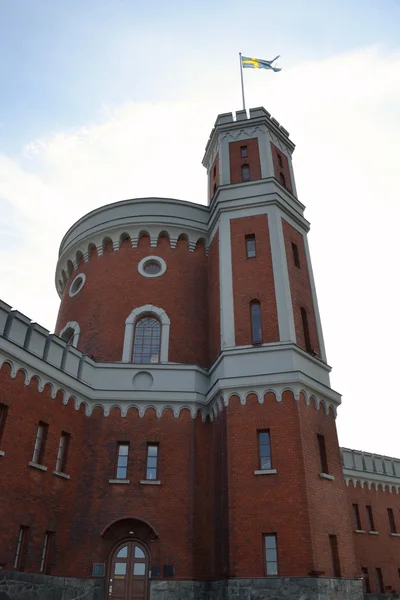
<point>129,572</point>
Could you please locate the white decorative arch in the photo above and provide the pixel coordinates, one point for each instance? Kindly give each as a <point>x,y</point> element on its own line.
<point>77,330</point>
<point>136,314</point>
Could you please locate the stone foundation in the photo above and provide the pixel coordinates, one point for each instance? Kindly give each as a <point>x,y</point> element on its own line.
<point>15,585</point>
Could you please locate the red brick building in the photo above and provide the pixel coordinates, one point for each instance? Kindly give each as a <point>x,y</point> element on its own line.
<point>176,435</point>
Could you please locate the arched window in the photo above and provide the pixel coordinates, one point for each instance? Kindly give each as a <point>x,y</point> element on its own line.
<point>255,317</point>
<point>146,335</point>
<point>245,173</point>
<point>70,333</point>
<point>146,345</point>
<point>282,179</point>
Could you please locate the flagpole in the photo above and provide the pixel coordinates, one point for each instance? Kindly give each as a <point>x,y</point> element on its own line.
<point>241,79</point>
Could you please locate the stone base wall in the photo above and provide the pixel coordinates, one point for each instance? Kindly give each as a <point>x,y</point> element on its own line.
<point>15,585</point>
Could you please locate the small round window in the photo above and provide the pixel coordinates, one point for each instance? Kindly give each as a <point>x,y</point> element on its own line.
<point>152,266</point>
<point>77,284</point>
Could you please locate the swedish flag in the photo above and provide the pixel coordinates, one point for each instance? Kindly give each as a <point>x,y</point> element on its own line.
<point>257,63</point>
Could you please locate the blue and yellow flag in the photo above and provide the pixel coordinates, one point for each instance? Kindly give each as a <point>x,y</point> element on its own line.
<point>257,63</point>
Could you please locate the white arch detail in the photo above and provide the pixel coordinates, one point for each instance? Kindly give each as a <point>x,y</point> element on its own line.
<point>77,330</point>
<point>136,314</point>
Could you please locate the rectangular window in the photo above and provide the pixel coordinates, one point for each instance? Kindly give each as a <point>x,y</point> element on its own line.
<point>22,546</point>
<point>392,522</point>
<point>264,449</point>
<point>271,554</point>
<point>322,453</point>
<point>243,151</point>
<point>40,443</point>
<point>356,516</point>
<point>250,245</point>
<point>366,583</point>
<point>62,455</point>
<point>379,580</point>
<point>370,518</point>
<point>335,556</point>
<point>3,417</point>
<point>152,459</point>
<point>296,258</point>
<point>306,331</point>
<point>46,552</point>
<point>280,162</point>
<point>122,460</point>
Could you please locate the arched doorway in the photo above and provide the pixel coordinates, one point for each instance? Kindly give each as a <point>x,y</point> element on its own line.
<point>129,571</point>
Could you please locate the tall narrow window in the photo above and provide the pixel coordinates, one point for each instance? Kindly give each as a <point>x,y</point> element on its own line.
<point>46,552</point>
<point>282,179</point>
<point>370,518</point>
<point>3,417</point>
<point>366,582</point>
<point>379,580</point>
<point>146,345</point>
<point>40,443</point>
<point>255,316</point>
<point>296,258</point>
<point>62,455</point>
<point>306,331</point>
<point>392,522</point>
<point>152,460</point>
<point>356,516</point>
<point>280,162</point>
<point>215,171</point>
<point>122,460</point>
<point>271,554</point>
<point>264,450</point>
<point>335,556</point>
<point>214,189</point>
<point>22,545</point>
<point>243,151</point>
<point>245,173</point>
<point>250,245</point>
<point>322,453</point>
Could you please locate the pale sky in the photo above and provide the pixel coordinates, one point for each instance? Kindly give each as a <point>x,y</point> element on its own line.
<point>104,100</point>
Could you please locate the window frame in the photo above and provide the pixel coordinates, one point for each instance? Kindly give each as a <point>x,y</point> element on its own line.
<point>392,520</point>
<point>366,580</point>
<point>153,341</point>
<point>245,169</point>
<point>282,180</point>
<point>334,546</point>
<point>356,517</point>
<point>370,517</point>
<point>259,444</point>
<point>40,443</point>
<point>244,152</point>
<point>21,548</point>
<point>296,256</point>
<point>280,161</point>
<point>120,455</point>
<point>306,329</point>
<point>379,580</point>
<point>46,552</point>
<point>148,456</point>
<point>3,419</point>
<point>250,237</point>
<point>63,450</point>
<point>254,340</point>
<point>266,561</point>
<point>135,315</point>
<point>323,456</point>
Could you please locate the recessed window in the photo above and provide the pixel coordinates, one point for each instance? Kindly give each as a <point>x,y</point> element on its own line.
<point>392,522</point>
<point>146,344</point>
<point>250,245</point>
<point>322,453</point>
<point>379,580</point>
<point>22,546</point>
<point>68,336</point>
<point>152,460</point>
<point>122,460</point>
<point>215,171</point>
<point>366,582</point>
<point>40,443</point>
<point>306,331</point>
<point>62,455</point>
<point>264,450</point>
<point>245,173</point>
<point>214,189</point>
<point>282,179</point>
<point>356,517</point>
<point>370,518</point>
<point>255,317</point>
<point>280,162</point>
<point>271,554</point>
<point>243,151</point>
<point>3,417</point>
<point>46,552</point>
<point>296,258</point>
<point>337,572</point>
<point>77,284</point>
<point>152,266</point>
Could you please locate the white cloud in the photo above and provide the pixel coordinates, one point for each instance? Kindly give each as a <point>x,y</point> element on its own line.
<point>343,114</point>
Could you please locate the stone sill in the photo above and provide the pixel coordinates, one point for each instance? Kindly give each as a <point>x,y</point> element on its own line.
<point>150,482</point>
<point>395,534</point>
<point>265,472</point>
<point>59,474</point>
<point>123,481</point>
<point>373,532</point>
<point>37,466</point>
<point>327,476</point>
<point>2,453</point>
<point>359,531</point>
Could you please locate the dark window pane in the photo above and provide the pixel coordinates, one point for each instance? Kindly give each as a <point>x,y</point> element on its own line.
<point>139,568</point>
<point>245,173</point>
<point>256,322</point>
<point>243,151</point>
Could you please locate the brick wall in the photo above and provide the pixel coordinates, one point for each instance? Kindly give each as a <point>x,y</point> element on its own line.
<point>281,167</point>
<point>236,161</point>
<point>214,317</point>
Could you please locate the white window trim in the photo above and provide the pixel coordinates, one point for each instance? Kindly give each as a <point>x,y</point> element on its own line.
<point>77,330</point>
<point>136,314</point>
